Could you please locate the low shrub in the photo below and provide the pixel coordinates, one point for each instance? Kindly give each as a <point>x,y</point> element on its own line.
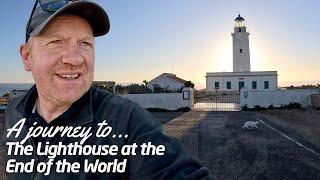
<point>158,110</point>
<point>293,105</point>
<point>182,109</point>
<point>245,108</point>
<point>258,108</point>
<point>270,107</point>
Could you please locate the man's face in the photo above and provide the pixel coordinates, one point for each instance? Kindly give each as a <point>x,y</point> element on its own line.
<point>61,59</point>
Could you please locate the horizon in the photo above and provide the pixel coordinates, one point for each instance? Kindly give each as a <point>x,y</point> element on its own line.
<point>189,39</point>
<point>197,86</point>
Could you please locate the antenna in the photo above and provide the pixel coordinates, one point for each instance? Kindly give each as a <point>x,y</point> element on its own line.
<point>172,68</point>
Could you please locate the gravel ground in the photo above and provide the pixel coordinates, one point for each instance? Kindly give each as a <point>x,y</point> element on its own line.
<point>233,153</point>
<point>305,122</point>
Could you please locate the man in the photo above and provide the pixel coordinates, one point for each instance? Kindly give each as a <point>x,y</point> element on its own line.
<point>59,52</point>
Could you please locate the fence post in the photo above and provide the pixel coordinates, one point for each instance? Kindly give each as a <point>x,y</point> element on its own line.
<point>188,94</point>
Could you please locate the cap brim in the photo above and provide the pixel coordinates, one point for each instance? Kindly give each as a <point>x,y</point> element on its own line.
<point>92,12</point>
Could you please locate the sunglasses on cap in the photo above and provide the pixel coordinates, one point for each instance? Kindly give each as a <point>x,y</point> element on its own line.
<point>49,9</point>
<point>46,5</point>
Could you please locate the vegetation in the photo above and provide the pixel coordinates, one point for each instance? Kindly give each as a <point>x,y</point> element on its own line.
<point>270,107</point>
<point>245,108</point>
<point>188,84</point>
<point>183,109</point>
<point>143,88</point>
<point>132,89</point>
<point>258,108</point>
<point>308,86</point>
<point>292,105</point>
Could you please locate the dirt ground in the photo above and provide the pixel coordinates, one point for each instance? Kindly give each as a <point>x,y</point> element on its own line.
<point>304,122</point>
<point>218,140</point>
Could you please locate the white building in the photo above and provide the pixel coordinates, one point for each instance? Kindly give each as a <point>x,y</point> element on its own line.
<point>242,76</point>
<point>167,81</point>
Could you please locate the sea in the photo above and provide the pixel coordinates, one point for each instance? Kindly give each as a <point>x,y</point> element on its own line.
<point>7,87</point>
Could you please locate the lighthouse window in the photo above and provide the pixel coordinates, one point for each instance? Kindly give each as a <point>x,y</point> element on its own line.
<point>266,85</point>
<point>241,84</point>
<point>254,84</point>
<point>228,85</point>
<point>240,50</point>
<point>216,85</point>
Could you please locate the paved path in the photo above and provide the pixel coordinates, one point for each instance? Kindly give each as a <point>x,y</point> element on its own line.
<point>233,153</point>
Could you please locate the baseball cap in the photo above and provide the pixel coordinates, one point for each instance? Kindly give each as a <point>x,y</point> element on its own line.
<point>92,12</point>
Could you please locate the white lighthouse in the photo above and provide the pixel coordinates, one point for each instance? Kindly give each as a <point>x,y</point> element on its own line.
<point>242,76</point>
<point>241,52</point>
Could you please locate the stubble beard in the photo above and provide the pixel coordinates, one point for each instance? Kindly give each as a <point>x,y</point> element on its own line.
<point>61,96</point>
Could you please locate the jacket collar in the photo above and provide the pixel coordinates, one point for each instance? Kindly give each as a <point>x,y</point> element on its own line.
<point>80,112</point>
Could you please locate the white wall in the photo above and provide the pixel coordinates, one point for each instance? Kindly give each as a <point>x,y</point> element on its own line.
<point>170,101</point>
<point>247,81</point>
<point>276,98</point>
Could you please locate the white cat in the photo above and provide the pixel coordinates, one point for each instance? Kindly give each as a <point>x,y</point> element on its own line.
<point>250,124</point>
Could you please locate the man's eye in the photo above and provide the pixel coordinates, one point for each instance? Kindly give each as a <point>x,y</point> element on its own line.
<point>85,44</point>
<point>56,42</point>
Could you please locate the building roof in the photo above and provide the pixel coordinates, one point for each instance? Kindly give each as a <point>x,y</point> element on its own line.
<point>173,76</point>
<point>239,18</point>
<point>177,79</point>
<point>250,73</point>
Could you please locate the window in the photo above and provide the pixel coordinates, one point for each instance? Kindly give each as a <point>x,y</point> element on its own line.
<point>239,30</point>
<point>240,50</point>
<point>241,84</point>
<point>254,84</point>
<point>228,85</point>
<point>216,85</point>
<point>266,84</point>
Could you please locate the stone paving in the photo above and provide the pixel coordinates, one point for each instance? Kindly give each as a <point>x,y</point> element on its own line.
<point>185,128</point>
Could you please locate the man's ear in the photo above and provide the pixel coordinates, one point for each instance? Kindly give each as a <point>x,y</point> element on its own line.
<point>25,56</point>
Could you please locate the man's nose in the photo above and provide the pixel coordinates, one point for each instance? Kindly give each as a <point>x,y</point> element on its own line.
<point>72,55</point>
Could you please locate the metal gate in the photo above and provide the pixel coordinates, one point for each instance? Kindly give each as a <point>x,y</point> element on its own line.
<point>217,101</point>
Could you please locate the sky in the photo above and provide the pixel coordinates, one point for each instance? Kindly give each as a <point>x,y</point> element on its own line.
<point>185,37</point>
